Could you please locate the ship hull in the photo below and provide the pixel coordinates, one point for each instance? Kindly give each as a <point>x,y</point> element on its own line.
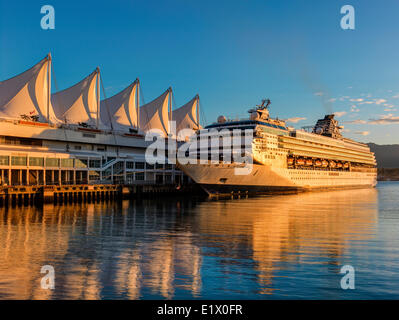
<point>222,179</point>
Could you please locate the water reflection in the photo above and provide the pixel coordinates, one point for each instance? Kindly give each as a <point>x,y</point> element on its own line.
<point>277,232</point>
<point>179,248</point>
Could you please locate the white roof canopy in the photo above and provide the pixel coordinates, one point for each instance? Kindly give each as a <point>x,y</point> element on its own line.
<point>186,116</point>
<point>78,104</point>
<point>26,95</point>
<point>120,110</point>
<point>155,114</point>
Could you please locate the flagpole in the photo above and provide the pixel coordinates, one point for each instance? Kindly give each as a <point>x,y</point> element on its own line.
<point>48,86</point>
<point>98,96</point>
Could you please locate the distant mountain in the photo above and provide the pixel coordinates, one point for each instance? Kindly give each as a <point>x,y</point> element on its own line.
<point>387,155</point>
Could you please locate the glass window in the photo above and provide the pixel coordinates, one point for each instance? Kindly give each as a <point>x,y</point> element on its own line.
<point>81,163</point>
<point>18,161</point>
<point>139,165</point>
<point>149,166</point>
<point>35,161</point>
<point>139,176</point>
<point>52,162</point>
<point>129,165</point>
<point>4,160</point>
<point>67,163</point>
<point>159,166</point>
<point>94,163</point>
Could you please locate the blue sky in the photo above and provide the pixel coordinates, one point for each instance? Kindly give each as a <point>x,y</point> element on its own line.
<point>233,53</point>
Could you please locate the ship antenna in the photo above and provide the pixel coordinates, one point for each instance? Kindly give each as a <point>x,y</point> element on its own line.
<point>262,106</point>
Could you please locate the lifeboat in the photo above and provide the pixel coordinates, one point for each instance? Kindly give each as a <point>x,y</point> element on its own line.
<point>309,162</point>
<point>317,163</point>
<point>324,163</point>
<point>332,164</point>
<point>346,165</point>
<point>290,161</point>
<point>339,165</point>
<point>300,161</point>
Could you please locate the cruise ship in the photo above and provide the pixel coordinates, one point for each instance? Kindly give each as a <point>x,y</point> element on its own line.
<point>72,136</point>
<point>282,158</point>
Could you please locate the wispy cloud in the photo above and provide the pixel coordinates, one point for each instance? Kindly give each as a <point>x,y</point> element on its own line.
<point>356,100</point>
<point>385,119</point>
<point>366,102</point>
<point>339,114</point>
<point>358,121</point>
<point>295,119</point>
<point>363,133</point>
<point>319,93</point>
<point>379,101</point>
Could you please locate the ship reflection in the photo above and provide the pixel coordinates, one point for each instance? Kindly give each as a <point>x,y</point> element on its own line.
<point>156,248</point>
<point>281,230</point>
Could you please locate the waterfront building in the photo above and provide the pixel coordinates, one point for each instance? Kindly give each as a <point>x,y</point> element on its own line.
<point>74,137</point>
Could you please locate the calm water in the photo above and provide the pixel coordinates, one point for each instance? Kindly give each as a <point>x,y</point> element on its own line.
<point>268,247</point>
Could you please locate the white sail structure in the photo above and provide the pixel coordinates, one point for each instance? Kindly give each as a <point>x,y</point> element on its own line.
<point>119,112</point>
<point>187,116</point>
<point>79,104</point>
<point>155,114</point>
<point>26,96</point>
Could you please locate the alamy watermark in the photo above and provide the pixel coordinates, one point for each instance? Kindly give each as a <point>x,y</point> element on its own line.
<point>348,20</point>
<point>348,280</point>
<point>48,281</point>
<point>48,20</point>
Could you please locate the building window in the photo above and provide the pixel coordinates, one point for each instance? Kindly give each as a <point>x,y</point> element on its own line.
<point>149,166</point>
<point>129,165</point>
<point>67,163</point>
<point>78,147</point>
<point>101,149</point>
<point>52,162</point>
<point>81,163</point>
<point>4,160</point>
<point>18,161</point>
<point>159,166</point>
<point>20,141</point>
<point>94,163</point>
<point>139,165</point>
<point>35,161</point>
<point>89,135</point>
<point>139,176</point>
